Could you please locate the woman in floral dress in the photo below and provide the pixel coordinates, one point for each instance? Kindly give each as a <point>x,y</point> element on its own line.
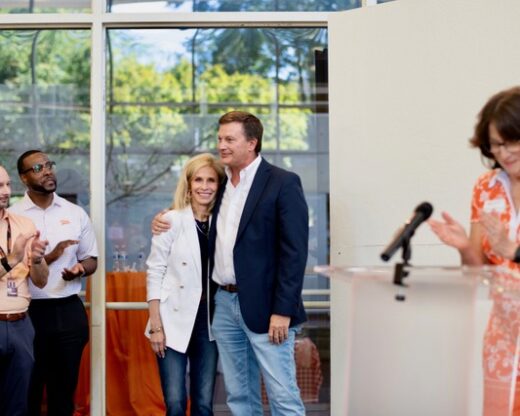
<point>494,238</point>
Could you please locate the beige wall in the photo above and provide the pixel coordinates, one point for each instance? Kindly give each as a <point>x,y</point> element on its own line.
<point>407,81</point>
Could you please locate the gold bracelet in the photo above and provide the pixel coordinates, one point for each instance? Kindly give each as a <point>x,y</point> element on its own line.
<point>154,330</point>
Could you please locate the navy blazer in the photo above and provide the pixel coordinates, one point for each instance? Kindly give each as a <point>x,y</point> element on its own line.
<point>270,252</point>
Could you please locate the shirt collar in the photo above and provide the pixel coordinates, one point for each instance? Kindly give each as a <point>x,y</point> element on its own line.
<point>6,215</point>
<point>27,202</point>
<point>500,175</point>
<point>249,171</point>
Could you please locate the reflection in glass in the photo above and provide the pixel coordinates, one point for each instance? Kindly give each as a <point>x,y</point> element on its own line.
<point>166,89</point>
<point>44,6</point>
<point>129,6</point>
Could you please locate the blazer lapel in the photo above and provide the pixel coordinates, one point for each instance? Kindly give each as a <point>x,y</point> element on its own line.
<point>257,187</point>
<point>190,230</point>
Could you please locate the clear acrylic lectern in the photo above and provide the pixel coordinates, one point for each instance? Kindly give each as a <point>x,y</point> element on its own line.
<point>446,343</point>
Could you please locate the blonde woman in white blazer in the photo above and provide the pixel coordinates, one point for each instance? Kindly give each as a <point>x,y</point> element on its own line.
<point>178,291</point>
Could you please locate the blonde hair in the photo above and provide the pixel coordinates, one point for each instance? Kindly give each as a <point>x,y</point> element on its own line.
<point>182,196</point>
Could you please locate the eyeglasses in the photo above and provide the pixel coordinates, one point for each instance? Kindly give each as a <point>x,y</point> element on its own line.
<point>50,165</point>
<point>511,147</point>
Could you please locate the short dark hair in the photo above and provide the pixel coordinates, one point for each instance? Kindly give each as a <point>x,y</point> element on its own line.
<point>253,128</point>
<point>25,155</point>
<point>503,110</point>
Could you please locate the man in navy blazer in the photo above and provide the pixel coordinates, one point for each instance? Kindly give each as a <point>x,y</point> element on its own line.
<point>258,253</point>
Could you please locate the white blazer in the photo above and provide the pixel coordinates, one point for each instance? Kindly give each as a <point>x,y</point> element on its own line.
<point>174,277</point>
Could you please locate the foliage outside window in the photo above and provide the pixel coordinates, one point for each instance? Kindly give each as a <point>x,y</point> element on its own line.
<point>166,89</point>
<point>45,99</point>
<point>168,102</point>
<point>235,5</point>
<point>83,6</point>
<point>45,6</point>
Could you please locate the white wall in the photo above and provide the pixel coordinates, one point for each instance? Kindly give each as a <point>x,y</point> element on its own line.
<point>408,79</point>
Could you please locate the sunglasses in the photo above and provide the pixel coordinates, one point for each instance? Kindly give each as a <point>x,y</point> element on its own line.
<point>50,165</point>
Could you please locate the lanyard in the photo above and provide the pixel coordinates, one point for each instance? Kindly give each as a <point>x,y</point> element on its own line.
<point>2,252</point>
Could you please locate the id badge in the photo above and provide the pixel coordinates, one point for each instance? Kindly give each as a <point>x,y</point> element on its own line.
<point>12,290</point>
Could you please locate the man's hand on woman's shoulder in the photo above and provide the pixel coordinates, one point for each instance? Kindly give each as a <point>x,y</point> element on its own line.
<point>159,223</point>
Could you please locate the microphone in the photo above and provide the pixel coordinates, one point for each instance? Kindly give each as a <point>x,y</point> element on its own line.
<point>422,213</point>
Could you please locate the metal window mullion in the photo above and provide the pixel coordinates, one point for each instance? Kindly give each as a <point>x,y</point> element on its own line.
<point>218,19</point>
<point>209,19</point>
<point>143,306</point>
<point>97,210</point>
<point>45,20</point>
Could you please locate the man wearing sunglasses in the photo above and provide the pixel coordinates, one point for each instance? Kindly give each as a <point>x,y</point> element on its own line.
<point>58,315</point>
<point>21,259</point>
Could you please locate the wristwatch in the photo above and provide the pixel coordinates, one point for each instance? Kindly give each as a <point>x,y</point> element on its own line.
<point>516,258</point>
<point>155,330</point>
<point>5,264</point>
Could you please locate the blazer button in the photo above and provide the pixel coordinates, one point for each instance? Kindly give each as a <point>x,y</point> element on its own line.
<point>184,263</point>
<point>181,286</point>
<point>175,309</point>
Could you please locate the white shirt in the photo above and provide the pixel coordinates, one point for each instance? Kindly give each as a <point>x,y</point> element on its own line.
<point>228,220</point>
<point>62,220</point>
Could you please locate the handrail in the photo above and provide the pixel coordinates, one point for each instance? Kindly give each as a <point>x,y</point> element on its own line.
<point>305,292</point>
<point>138,306</point>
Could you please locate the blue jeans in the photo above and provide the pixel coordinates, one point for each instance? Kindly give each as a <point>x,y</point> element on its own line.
<point>202,355</point>
<point>245,354</point>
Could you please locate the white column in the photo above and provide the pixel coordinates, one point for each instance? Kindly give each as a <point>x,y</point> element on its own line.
<point>97,211</point>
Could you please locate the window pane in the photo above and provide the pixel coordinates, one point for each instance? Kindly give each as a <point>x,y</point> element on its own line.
<point>166,89</point>
<point>44,6</point>
<point>139,6</point>
<point>45,104</point>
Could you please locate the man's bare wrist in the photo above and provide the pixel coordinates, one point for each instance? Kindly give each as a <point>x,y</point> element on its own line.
<point>50,258</point>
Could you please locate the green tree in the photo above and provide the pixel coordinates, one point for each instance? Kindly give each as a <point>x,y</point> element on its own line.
<point>267,5</point>
<point>44,87</point>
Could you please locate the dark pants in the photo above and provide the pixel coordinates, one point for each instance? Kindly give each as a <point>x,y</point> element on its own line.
<point>16,364</point>
<point>61,327</point>
<point>202,355</point>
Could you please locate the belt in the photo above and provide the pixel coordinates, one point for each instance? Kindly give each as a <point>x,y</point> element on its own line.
<point>12,316</point>
<point>230,288</point>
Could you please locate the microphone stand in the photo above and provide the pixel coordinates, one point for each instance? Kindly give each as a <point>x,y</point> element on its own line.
<point>400,272</point>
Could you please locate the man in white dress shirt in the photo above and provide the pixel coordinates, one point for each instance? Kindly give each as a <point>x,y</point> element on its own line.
<point>58,315</point>
<point>259,248</point>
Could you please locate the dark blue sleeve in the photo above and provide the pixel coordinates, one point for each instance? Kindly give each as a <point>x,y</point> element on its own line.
<point>293,246</point>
